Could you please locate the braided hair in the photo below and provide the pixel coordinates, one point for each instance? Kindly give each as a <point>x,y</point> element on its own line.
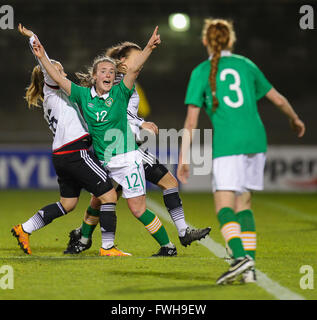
<point>219,35</point>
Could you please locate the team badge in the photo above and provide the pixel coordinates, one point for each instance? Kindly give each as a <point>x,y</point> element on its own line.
<point>109,102</point>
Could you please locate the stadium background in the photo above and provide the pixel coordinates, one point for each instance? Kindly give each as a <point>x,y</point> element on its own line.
<point>74,32</point>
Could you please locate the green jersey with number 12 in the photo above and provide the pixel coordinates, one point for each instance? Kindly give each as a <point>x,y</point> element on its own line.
<point>237,126</point>
<point>106,117</point>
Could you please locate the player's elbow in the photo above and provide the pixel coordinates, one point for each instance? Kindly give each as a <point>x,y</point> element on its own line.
<point>276,98</point>
<point>280,101</point>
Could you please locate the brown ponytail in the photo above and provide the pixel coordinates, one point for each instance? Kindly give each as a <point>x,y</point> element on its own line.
<point>34,92</point>
<point>122,50</point>
<point>219,35</point>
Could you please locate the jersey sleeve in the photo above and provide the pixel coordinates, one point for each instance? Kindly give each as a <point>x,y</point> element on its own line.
<point>47,78</point>
<point>76,94</point>
<point>195,90</point>
<point>262,85</point>
<point>133,108</point>
<point>126,92</point>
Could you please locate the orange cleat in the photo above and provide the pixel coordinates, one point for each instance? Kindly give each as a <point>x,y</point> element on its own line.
<point>22,237</point>
<point>113,252</point>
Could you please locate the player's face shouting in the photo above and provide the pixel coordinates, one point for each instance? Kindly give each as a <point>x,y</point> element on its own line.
<point>105,76</point>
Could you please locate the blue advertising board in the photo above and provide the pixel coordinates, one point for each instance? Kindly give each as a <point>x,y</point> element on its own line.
<point>23,168</point>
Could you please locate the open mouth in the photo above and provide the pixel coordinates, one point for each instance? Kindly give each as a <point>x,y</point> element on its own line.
<point>106,82</point>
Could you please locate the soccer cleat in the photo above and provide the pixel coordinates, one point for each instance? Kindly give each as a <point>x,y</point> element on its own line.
<point>193,235</point>
<point>22,237</point>
<point>77,247</point>
<point>249,276</point>
<point>166,252</point>
<point>113,252</point>
<point>237,267</point>
<point>74,237</point>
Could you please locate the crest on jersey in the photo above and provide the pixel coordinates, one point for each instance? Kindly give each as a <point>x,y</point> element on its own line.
<point>109,102</point>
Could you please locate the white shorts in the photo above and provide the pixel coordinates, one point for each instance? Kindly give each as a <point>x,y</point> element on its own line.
<point>239,173</point>
<point>127,170</point>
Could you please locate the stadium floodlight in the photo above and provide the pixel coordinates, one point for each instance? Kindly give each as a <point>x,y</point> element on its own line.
<point>179,22</point>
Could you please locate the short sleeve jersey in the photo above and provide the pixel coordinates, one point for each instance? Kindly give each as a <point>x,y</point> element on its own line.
<point>106,118</point>
<point>237,126</point>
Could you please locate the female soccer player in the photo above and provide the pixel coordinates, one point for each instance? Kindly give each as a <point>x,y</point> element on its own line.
<point>104,108</point>
<point>228,86</point>
<point>75,166</point>
<point>155,172</point>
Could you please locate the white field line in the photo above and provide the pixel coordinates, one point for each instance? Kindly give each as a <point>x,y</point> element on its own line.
<point>286,209</point>
<point>263,281</point>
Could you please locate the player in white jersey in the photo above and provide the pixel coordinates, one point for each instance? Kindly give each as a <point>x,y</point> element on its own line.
<point>155,172</point>
<point>75,165</point>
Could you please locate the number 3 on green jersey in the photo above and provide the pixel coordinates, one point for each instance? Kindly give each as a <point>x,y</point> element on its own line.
<point>234,87</point>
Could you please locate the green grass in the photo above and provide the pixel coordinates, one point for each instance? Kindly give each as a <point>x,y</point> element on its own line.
<point>287,239</point>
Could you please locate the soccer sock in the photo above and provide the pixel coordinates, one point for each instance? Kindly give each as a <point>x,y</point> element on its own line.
<point>108,224</point>
<point>90,221</point>
<point>43,217</point>
<point>174,206</point>
<point>230,229</point>
<point>248,233</point>
<point>153,224</point>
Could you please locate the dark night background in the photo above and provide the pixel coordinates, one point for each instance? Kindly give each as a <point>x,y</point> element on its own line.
<point>74,32</point>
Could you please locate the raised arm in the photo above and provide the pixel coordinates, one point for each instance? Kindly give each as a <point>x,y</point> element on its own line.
<point>56,76</point>
<point>282,104</point>
<point>32,38</point>
<point>134,70</point>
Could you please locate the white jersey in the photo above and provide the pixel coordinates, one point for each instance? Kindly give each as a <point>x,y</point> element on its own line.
<point>62,116</point>
<point>135,121</point>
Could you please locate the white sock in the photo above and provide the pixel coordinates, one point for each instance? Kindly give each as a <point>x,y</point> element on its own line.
<point>34,223</point>
<point>107,239</point>
<point>169,245</point>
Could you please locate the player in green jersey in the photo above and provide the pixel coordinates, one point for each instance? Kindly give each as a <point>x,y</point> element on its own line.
<point>155,172</point>
<point>228,87</point>
<point>104,108</point>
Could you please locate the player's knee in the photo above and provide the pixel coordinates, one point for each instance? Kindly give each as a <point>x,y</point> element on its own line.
<point>243,202</point>
<point>95,203</point>
<point>110,196</point>
<point>137,206</point>
<point>137,212</point>
<point>168,182</point>
<point>69,204</point>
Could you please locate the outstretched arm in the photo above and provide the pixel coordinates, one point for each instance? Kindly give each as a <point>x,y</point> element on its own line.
<point>39,52</point>
<point>282,103</point>
<point>61,81</point>
<point>134,70</point>
<point>32,38</point>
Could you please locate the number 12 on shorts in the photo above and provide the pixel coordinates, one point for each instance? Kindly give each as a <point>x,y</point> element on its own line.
<point>133,180</point>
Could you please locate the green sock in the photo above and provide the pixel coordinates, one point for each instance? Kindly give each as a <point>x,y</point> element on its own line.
<point>248,233</point>
<point>90,221</point>
<point>230,230</point>
<point>153,224</point>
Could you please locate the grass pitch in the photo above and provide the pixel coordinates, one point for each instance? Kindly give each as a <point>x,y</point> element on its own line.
<point>287,240</point>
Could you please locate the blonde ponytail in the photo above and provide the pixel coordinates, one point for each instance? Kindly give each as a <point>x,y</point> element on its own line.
<point>34,92</point>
